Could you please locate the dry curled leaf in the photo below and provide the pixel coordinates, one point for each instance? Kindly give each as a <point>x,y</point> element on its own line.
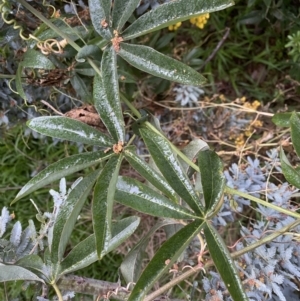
<point>86,114</point>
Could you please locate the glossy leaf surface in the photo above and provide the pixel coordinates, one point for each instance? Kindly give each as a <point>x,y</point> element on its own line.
<point>224,263</point>
<point>69,129</point>
<point>164,259</point>
<point>68,214</point>
<point>103,199</point>
<point>60,169</point>
<point>150,174</point>
<point>295,132</point>
<point>291,174</point>
<point>151,61</point>
<point>35,59</point>
<point>212,178</point>
<point>172,13</point>
<point>132,264</point>
<point>106,95</point>
<point>134,194</point>
<point>85,253</point>
<point>36,265</point>
<point>122,10</point>
<point>170,168</point>
<point>99,10</point>
<point>14,273</point>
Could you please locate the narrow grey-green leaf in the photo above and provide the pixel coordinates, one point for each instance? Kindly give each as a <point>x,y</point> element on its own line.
<point>171,13</point>
<point>68,214</point>
<point>99,10</point>
<point>122,10</point>
<point>134,194</point>
<point>86,51</point>
<point>19,86</point>
<point>103,199</point>
<point>151,61</point>
<point>14,273</point>
<point>84,254</point>
<point>295,132</point>
<point>69,129</point>
<point>80,87</point>
<point>291,174</point>
<point>212,178</point>
<point>35,264</point>
<point>191,151</point>
<point>164,259</point>
<point>106,95</point>
<point>60,169</point>
<point>150,174</point>
<point>224,263</point>
<point>170,168</point>
<point>132,263</point>
<point>35,59</point>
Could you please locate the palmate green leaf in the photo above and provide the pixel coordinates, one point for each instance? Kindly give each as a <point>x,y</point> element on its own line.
<point>69,129</point>
<point>295,132</point>
<point>35,264</point>
<point>60,169</point>
<point>170,168</point>
<point>164,259</point>
<point>151,61</point>
<point>122,10</point>
<point>35,59</point>
<point>106,95</point>
<point>212,178</point>
<point>103,199</point>
<point>99,10</point>
<point>150,174</point>
<point>140,197</point>
<point>171,13</point>
<point>291,174</point>
<point>132,264</point>
<point>14,273</point>
<point>84,254</point>
<point>68,214</point>
<point>224,263</point>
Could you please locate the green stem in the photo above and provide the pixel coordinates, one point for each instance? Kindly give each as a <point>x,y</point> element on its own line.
<point>130,106</point>
<point>7,76</point>
<point>94,66</point>
<point>49,24</point>
<point>57,291</point>
<point>265,239</point>
<point>259,201</point>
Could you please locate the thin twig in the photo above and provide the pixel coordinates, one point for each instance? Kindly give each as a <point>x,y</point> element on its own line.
<point>227,31</point>
<point>52,108</point>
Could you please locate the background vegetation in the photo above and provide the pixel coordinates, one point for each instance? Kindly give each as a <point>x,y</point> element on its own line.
<point>250,55</point>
